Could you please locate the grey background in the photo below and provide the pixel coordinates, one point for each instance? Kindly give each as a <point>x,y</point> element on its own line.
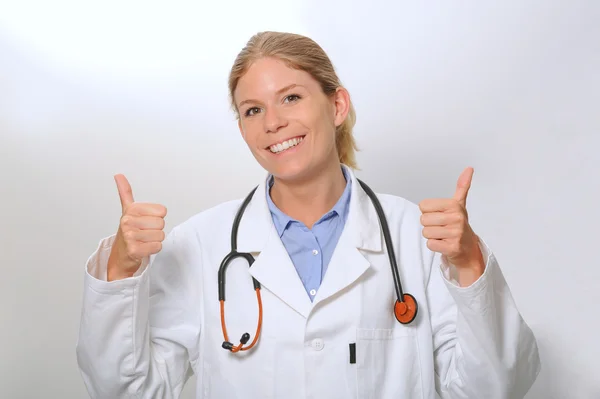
<point>89,90</point>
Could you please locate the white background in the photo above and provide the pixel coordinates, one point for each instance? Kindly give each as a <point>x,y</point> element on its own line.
<point>90,89</point>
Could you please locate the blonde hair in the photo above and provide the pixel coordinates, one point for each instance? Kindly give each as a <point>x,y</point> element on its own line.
<point>298,52</point>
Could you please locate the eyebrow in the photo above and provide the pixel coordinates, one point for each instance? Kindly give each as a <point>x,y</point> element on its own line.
<point>278,92</point>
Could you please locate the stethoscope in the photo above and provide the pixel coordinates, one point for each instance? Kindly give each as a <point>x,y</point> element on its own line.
<point>405,307</point>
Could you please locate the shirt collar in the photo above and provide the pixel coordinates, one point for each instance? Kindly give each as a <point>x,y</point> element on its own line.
<point>282,220</point>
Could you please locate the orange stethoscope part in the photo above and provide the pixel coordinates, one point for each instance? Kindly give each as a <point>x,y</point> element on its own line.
<point>406,311</point>
<point>227,344</point>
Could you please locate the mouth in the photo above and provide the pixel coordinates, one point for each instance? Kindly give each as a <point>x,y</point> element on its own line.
<point>285,145</point>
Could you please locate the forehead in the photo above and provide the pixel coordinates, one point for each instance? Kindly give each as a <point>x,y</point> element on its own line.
<point>267,75</point>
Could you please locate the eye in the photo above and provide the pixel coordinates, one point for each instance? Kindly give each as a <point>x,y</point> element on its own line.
<point>251,111</point>
<point>292,97</point>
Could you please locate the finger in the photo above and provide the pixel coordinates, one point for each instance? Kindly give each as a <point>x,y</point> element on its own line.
<point>463,185</point>
<point>437,205</point>
<point>151,248</point>
<point>440,246</point>
<point>439,219</point>
<point>439,232</point>
<point>143,249</point>
<point>125,193</point>
<point>147,209</point>
<point>144,222</point>
<point>149,235</point>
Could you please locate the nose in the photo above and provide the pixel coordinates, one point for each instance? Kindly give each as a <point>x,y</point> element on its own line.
<point>273,121</point>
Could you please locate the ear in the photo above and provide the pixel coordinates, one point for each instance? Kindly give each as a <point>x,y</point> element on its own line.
<point>341,102</point>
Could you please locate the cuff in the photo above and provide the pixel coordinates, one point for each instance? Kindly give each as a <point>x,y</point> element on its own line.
<point>450,273</point>
<point>96,269</point>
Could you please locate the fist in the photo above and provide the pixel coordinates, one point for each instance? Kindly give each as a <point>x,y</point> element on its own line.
<point>140,232</point>
<point>446,226</point>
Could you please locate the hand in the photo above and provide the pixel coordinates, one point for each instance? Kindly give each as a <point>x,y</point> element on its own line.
<point>140,233</point>
<point>446,226</point>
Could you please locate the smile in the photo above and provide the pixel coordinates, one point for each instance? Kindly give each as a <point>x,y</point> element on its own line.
<point>285,145</point>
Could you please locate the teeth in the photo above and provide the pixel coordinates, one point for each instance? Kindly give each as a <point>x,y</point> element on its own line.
<point>285,145</point>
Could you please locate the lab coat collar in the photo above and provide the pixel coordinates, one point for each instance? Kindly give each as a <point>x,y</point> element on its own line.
<point>362,224</point>
<point>273,267</point>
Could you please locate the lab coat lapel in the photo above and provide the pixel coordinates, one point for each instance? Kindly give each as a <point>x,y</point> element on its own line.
<point>361,235</point>
<point>273,267</point>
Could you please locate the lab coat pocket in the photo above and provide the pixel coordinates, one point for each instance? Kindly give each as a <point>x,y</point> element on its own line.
<point>241,375</point>
<point>387,363</point>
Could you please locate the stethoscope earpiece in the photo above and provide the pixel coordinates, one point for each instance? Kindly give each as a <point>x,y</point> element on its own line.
<point>243,341</point>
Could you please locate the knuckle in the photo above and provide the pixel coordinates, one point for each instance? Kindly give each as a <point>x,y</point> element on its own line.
<point>128,235</point>
<point>126,220</point>
<point>132,251</point>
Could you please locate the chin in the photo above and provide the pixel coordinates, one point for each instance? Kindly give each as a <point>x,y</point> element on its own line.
<point>297,164</point>
<point>290,171</point>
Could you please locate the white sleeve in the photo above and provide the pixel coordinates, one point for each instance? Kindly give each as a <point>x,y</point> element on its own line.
<point>482,346</point>
<point>138,336</point>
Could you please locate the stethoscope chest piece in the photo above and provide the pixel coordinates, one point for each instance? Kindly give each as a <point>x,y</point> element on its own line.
<point>406,311</point>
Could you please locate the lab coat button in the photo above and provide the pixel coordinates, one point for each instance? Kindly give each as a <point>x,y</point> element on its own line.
<point>317,344</point>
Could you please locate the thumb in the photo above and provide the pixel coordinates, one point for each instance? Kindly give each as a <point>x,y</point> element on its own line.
<point>463,185</point>
<point>125,193</point>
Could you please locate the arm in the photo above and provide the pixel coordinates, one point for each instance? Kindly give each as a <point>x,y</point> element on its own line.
<point>482,345</point>
<point>138,335</point>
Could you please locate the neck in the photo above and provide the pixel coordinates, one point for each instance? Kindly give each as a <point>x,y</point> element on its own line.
<point>308,200</point>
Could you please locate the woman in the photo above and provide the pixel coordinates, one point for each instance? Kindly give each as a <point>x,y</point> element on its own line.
<point>331,327</point>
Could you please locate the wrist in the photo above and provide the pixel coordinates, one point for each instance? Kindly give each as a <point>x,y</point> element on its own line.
<point>115,269</point>
<point>114,273</point>
<point>471,270</point>
<point>467,276</point>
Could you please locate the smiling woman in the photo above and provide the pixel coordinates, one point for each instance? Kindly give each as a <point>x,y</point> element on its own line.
<point>304,65</point>
<point>329,262</point>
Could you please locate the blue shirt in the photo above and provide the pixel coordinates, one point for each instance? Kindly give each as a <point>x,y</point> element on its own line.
<point>311,249</point>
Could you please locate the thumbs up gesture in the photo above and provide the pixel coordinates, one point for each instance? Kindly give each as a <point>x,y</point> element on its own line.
<point>446,226</point>
<point>140,233</point>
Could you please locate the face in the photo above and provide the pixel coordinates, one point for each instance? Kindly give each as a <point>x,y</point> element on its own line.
<point>287,121</point>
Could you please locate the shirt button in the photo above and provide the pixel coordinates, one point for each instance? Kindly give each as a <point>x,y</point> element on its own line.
<point>313,292</point>
<point>315,252</point>
<point>317,344</point>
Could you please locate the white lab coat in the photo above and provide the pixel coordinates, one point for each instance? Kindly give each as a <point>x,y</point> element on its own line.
<point>142,337</point>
